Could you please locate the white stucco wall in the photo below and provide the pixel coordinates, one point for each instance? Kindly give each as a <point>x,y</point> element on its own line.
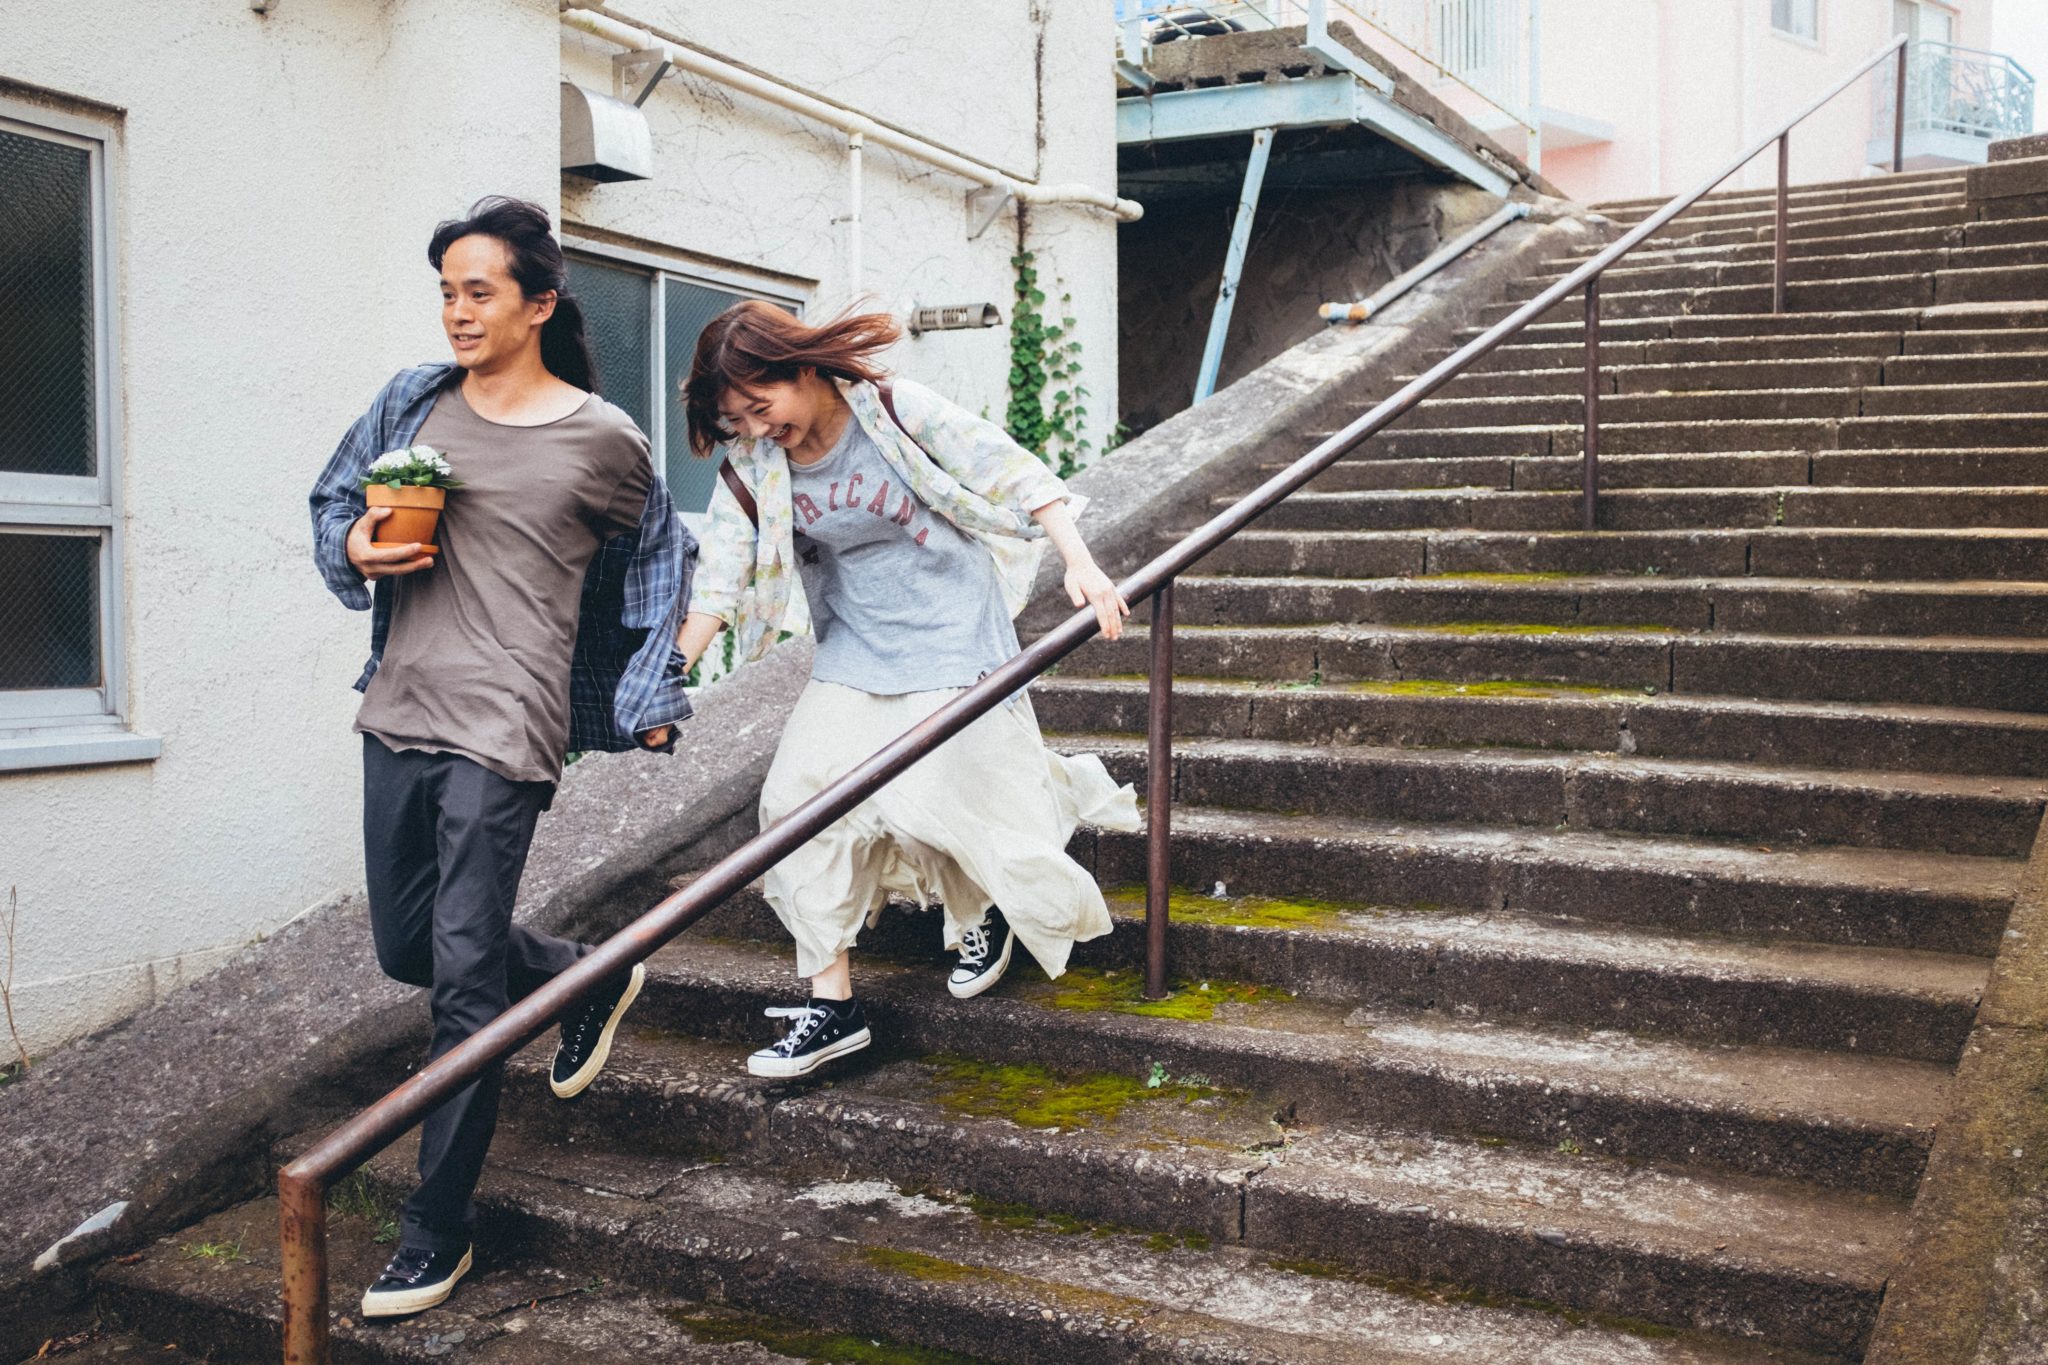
<point>743,182</point>
<point>276,178</point>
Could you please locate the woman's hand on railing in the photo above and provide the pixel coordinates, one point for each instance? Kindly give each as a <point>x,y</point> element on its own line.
<point>1088,585</point>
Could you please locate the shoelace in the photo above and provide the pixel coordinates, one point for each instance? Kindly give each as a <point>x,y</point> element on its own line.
<point>408,1265</point>
<point>808,1020</point>
<point>974,945</point>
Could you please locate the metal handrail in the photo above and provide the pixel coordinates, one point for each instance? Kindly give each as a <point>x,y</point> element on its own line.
<point>303,1184</point>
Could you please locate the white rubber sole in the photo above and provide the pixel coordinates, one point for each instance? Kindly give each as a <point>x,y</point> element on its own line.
<point>580,1081</point>
<point>967,990</point>
<point>399,1303</point>
<point>765,1063</point>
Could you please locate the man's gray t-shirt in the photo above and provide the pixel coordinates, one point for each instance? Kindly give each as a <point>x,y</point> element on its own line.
<point>478,658</point>
<point>901,599</point>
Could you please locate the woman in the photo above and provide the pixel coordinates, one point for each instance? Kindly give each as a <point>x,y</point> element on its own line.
<point>914,530</point>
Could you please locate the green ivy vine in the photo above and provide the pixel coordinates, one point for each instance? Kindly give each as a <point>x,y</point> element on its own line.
<point>1046,414</point>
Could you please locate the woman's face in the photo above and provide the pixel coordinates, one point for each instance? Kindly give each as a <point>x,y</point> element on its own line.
<point>783,413</point>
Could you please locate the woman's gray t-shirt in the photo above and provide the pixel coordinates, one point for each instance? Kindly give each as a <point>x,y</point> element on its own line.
<point>901,599</point>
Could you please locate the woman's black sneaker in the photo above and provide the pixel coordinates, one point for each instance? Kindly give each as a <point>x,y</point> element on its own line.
<point>819,1030</point>
<point>415,1281</point>
<point>587,1035</point>
<point>984,957</point>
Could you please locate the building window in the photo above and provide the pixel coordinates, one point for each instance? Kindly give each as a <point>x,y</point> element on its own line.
<point>60,643</point>
<point>1799,18</point>
<point>644,320</point>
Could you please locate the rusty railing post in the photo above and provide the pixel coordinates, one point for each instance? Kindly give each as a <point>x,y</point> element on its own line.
<point>1591,440</point>
<point>1899,115</point>
<point>1159,793</point>
<point>1784,245</point>
<point>302,1250</point>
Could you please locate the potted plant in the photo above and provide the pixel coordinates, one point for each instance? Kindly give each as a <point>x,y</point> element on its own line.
<point>413,483</point>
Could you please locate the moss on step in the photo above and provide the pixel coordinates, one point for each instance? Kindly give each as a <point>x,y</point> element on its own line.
<point>1478,577</point>
<point>918,1266</point>
<point>1244,912</point>
<point>1123,992</point>
<point>1024,1217</point>
<point>713,1326</point>
<point>1497,687</point>
<point>1034,1097</point>
<point>1532,628</point>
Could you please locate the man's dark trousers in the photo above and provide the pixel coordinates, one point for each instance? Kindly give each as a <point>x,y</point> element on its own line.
<point>445,840</point>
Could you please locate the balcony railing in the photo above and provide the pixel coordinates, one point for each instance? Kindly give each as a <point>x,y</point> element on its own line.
<point>1959,100</point>
<point>1482,45</point>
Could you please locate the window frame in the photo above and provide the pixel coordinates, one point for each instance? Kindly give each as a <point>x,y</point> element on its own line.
<point>1793,35</point>
<point>661,268</point>
<point>52,726</point>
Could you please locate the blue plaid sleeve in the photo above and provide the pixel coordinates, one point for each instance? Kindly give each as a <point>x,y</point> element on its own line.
<point>394,417</point>
<point>627,678</point>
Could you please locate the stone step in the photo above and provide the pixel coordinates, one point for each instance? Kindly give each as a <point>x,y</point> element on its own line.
<point>2010,747</point>
<point>1768,552</point>
<point>1730,229</point>
<point>2021,315</point>
<point>1999,367</point>
<point>1974,341</point>
<point>1944,431</point>
<point>1715,403</point>
<point>1993,673</point>
<point>1618,376</point>
<point>1948,469</point>
<point>1977,377</point>
<point>1701,351</point>
<point>1917,289</point>
<point>1212,1167</point>
<point>1495,963</point>
<point>1742,605</point>
<point>1764,247</point>
<point>2011,233</point>
<point>1852,897</point>
<point>1659,509</point>
<point>667,1258</point>
<point>1709,216</point>
<point>1835,1119</point>
<point>1714,268</point>
<point>1865,187</point>
<point>1635,795</point>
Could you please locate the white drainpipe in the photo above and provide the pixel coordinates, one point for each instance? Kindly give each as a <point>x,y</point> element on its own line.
<point>600,20</point>
<point>853,262</point>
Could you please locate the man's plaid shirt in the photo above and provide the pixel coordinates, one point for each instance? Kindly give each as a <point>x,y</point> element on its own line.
<point>625,677</point>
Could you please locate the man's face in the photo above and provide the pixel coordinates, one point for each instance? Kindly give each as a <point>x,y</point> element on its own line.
<point>489,322</point>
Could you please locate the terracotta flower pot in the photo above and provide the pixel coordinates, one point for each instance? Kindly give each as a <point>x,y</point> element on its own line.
<point>415,512</point>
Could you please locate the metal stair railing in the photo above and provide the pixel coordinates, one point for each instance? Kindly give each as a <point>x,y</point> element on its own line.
<point>303,1183</point>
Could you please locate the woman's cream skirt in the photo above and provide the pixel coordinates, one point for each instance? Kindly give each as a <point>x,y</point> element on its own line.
<point>983,820</point>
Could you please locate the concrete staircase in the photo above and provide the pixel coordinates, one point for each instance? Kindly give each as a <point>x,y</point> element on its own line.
<point>1579,931</point>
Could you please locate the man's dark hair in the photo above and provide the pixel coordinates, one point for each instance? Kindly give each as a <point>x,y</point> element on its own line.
<point>535,260</point>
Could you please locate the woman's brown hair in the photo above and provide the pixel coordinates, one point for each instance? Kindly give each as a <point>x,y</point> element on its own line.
<point>755,343</point>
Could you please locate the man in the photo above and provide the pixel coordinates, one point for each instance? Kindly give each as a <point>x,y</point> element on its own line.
<point>540,622</point>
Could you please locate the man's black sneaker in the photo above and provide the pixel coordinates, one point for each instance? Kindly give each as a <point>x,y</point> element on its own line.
<point>415,1281</point>
<point>984,957</point>
<point>587,1035</point>
<point>818,1031</point>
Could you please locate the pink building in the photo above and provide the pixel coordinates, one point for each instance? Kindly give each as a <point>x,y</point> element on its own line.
<point>1644,97</point>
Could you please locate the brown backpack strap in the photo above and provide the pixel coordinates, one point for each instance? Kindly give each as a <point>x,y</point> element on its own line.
<point>740,492</point>
<point>888,392</point>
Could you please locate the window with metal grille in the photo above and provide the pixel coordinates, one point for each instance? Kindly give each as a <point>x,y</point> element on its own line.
<point>60,662</point>
<point>644,322</point>
<point>1800,18</point>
